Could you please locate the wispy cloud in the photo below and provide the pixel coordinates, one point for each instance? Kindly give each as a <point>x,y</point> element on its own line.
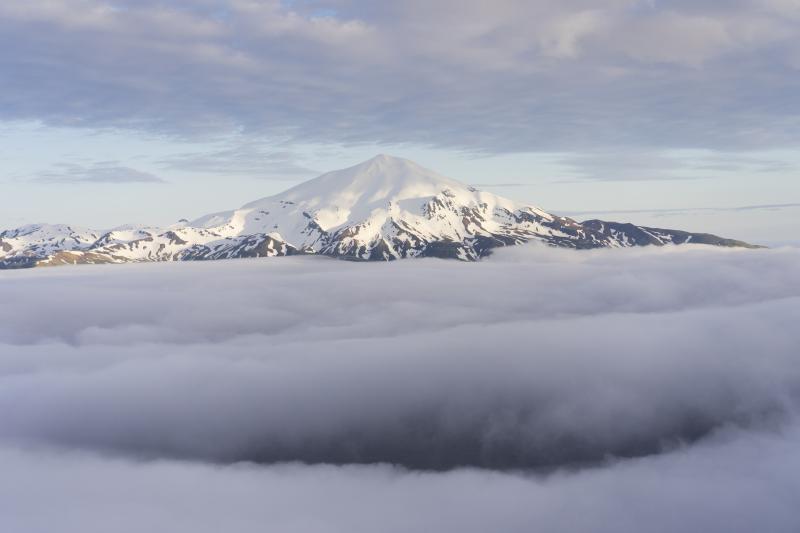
<point>519,184</point>
<point>103,172</point>
<point>683,210</point>
<point>252,158</point>
<point>659,165</point>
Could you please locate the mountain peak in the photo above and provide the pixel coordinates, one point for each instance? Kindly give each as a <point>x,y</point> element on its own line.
<point>386,162</point>
<point>374,182</point>
<point>385,158</point>
<point>395,167</point>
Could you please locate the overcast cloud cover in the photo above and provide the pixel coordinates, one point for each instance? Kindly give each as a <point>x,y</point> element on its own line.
<point>194,106</point>
<point>500,76</point>
<point>611,390</point>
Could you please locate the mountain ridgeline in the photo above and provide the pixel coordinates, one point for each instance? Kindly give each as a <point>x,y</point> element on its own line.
<point>383,209</point>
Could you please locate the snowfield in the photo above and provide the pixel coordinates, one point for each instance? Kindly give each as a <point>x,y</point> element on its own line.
<point>648,389</point>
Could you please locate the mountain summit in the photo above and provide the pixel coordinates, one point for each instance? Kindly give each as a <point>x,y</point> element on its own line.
<point>383,209</point>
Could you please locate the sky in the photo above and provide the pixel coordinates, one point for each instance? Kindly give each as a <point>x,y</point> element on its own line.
<point>627,390</point>
<point>678,113</point>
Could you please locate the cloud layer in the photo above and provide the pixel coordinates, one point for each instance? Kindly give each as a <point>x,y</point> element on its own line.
<point>572,74</point>
<point>424,364</point>
<point>593,391</point>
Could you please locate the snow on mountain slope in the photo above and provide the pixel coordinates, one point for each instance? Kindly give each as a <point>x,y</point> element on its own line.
<point>385,208</point>
<point>381,209</point>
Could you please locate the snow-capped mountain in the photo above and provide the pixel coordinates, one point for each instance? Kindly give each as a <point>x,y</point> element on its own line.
<point>383,209</point>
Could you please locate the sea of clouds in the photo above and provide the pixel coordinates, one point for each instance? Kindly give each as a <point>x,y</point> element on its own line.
<point>541,389</point>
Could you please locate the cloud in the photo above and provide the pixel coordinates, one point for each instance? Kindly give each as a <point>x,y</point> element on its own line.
<point>737,482</point>
<point>104,172</point>
<point>573,75</point>
<point>645,165</point>
<point>247,157</point>
<point>419,364</point>
<point>582,391</point>
<point>679,210</point>
<point>501,184</point>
